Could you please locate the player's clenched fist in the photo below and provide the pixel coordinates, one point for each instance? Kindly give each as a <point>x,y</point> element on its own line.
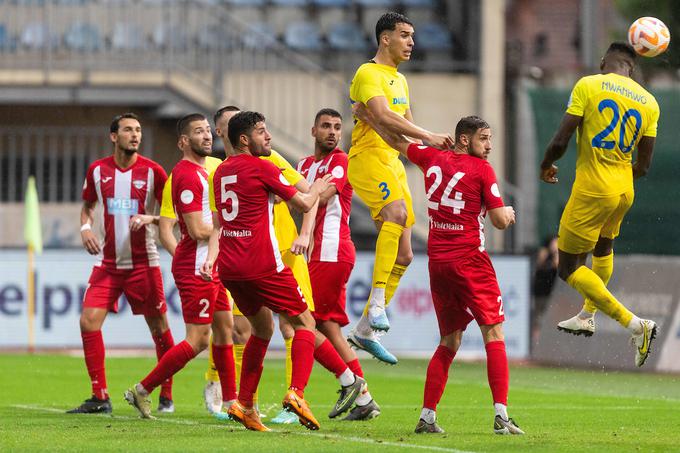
<point>510,214</point>
<point>549,174</point>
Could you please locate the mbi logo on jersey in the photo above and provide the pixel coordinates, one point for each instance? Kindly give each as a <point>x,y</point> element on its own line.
<point>399,101</point>
<point>122,206</point>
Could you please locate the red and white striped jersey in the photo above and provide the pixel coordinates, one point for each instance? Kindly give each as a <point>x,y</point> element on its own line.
<point>190,193</point>
<point>243,193</point>
<point>122,194</point>
<point>332,239</point>
<point>460,189</point>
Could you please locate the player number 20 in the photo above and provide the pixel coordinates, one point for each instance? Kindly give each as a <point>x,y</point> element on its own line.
<point>456,202</point>
<point>228,215</point>
<point>599,140</point>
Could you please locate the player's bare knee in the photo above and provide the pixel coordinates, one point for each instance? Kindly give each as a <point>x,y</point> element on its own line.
<point>452,341</point>
<point>395,212</point>
<point>404,258</point>
<point>604,247</point>
<point>564,271</point>
<point>91,320</point>
<point>493,332</point>
<point>157,324</point>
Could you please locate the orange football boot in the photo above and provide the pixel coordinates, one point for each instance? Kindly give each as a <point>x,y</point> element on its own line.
<point>293,403</point>
<point>248,417</point>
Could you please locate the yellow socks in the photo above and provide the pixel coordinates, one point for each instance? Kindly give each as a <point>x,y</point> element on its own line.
<point>590,286</point>
<point>386,250</point>
<point>393,281</point>
<point>211,372</point>
<point>289,361</point>
<point>603,266</point>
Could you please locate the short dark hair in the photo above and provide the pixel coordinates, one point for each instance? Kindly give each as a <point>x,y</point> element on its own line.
<point>470,125</point>
<point>327,111</point>
<point>389,21</point>
<point>624,49</point>
<point>220,112</point>
<point>184,122</point>
<point>115,123</point>
<point>242,123</point>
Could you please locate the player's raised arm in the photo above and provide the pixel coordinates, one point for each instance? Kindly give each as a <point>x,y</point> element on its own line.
<point>90,241</point>
<point>395,140</point>
<point>391,122</point>
<point>645,149</point>
<point>305,201</point>
<point>558,146</point>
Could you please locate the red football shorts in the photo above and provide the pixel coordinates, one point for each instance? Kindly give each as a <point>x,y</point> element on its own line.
<point>200,298</point>
<point>278,292</point>
<point>329,286</point>
<point>463,290</point>
<point>143,288</point>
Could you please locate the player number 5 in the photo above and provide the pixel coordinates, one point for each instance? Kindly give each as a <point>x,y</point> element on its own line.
<point>228,215</point>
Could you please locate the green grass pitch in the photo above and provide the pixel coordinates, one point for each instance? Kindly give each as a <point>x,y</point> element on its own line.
<point>561,410</point>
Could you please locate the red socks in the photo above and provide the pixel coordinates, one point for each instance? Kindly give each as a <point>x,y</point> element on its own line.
<point>329,358</point>
<point>302,353</point>
<point>437,376</point>
<point>172,361</point>
<point>163,344</point>
<point>251,370</point>
<point>497,371</point>
<point>355,367</point>
<point>93,348</point>
<point>223,355</point>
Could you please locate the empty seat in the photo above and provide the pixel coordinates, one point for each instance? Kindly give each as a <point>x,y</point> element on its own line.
<point>303,36</point>
<point>259,36</point>
<point>346,36</point>
<point>83,36</point>
<point>36,35</point>
<point>127,36</point>
<point>332,3</point>
<point>374,3</point>
<point>433,36</point>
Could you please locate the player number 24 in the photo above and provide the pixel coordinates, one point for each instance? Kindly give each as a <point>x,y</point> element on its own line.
<point>599,140</point>
<point>456,202</point>
<point>228,215</point>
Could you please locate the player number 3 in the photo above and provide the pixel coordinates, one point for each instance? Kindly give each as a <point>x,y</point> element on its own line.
<point>228,214</point>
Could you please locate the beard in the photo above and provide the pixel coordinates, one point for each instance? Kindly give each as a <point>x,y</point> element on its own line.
<point>129,151</point>
<point>325,147</point>
<point>200,151</point>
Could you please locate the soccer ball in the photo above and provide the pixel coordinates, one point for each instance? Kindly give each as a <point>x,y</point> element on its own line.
<point>649,36</point>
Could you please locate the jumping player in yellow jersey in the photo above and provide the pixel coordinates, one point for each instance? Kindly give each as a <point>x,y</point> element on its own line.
<point>378,176</point>
<point>612,115</point>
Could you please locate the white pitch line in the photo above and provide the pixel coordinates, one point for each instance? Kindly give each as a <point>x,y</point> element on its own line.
<point>299,433</point>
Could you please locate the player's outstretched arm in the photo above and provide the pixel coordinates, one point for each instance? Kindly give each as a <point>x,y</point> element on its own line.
<point>645,149</point>
<point>90,241</point>
<point>397,124</point>
<point>304,202</point>
<point>558,146</point>
<point>395,140</point>
<point>198,230</point>
<point>166,235</point>
<point>502,217</point>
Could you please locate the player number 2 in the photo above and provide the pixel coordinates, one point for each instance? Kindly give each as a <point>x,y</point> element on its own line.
<point>456,202</point>
<point>228,215</point>
<point>204,311</point>
<point>500,309</point>
<point>599,140</point>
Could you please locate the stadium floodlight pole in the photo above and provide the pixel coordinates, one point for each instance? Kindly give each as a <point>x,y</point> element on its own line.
<point>33,237</point>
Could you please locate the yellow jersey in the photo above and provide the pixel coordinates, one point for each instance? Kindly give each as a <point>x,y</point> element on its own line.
<point>167,206</point>
<point>617,112</point>
<point>284,225</point>
<point>373,80</point>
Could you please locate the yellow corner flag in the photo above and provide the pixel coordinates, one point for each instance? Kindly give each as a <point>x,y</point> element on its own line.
<point>32,228</point>
<point>33,237</point>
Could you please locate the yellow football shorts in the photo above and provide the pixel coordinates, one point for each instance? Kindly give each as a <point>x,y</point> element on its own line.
<point>585,219</point>
<point>298,265</point>
<point>380,179</point>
